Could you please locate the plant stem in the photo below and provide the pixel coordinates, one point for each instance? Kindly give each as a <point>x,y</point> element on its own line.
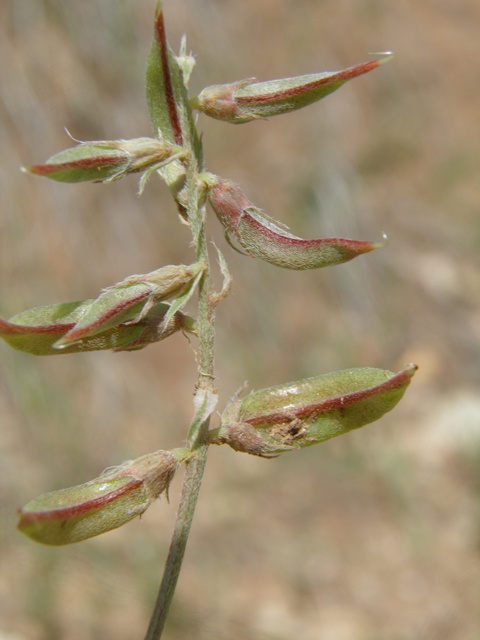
<point>198,434</point>
<point>195,467</point>
<point>191,489</point>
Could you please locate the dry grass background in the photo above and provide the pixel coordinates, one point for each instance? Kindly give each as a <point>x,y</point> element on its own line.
<point>367,537</point>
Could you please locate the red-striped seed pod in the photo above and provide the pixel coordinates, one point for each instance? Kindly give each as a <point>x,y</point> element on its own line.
<point>130,315</point>
<point>247,100</point>
<point>37,331</point>
<point>262,237</point>
<point>300,414</point>
<point>106,160</point>
<point>116,497</point>
<point>131,300</point>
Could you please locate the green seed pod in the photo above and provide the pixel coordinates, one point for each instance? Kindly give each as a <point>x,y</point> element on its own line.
<point>247,100</point>
<point>260,236</point>
<point>116,497</point>
<point>106,160</point>
<point>303,413</point>
<point>130,301</point>
<point>38,330</point>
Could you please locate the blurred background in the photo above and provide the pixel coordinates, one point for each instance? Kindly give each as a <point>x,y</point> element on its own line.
<point>375,535</point>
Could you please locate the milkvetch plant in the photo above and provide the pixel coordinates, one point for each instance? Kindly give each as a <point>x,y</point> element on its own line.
<point>142,309</point>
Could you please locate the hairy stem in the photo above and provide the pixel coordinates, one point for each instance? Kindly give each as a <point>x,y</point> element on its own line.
<point>198,434</point>
<point>191,489</point>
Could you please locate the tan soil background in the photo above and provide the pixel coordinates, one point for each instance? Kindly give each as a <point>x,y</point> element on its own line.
<point>372,536</point>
